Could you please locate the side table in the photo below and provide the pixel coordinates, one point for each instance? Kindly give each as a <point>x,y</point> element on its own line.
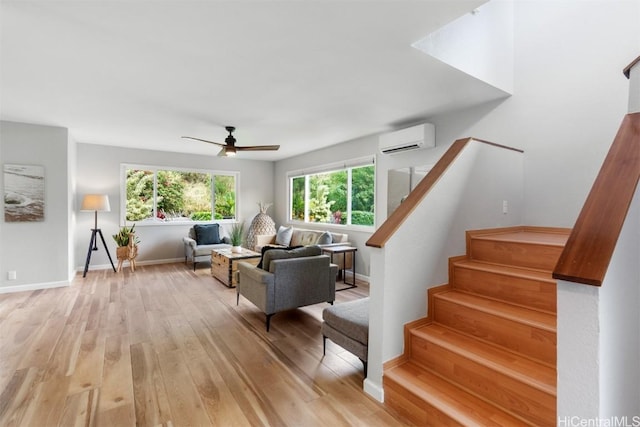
<point>344,250</point>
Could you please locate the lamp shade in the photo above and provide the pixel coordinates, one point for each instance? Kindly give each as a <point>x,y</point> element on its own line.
<point>95,202</point>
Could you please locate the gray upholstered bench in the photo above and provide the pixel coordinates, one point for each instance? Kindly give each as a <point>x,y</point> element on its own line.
<point>347,325</point>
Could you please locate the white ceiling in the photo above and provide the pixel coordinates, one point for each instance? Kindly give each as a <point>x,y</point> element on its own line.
<point>303,74</point>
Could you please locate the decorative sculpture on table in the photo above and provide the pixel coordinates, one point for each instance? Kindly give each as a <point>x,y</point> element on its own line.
<point>261,224</point>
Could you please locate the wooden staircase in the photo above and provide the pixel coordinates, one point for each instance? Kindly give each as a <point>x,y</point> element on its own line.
<point>486,355</point>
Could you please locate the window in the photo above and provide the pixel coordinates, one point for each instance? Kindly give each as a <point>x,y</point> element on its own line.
<point>169,195</point>
<point>343,196</point>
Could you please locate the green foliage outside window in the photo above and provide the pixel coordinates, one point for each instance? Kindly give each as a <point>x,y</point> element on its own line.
<point>362,195</point>
<point>328,198</point>
<point>179,195</point>
<point>139,194</point>
<point>319,205</point>
<point>297,202</point>
<point>225,197</point>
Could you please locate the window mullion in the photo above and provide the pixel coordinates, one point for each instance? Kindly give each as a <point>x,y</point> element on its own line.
<point>306,198</point>
<point>154,211</point>
<point>349,198</point>
<point>213,196</point>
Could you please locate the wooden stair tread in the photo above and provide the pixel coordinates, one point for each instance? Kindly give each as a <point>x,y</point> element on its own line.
<point>487,353</point>
<point>453,401</point>
<point>534,318</point>
<point>521,272</point>
<point>527,237</point>
<point>537,375</point>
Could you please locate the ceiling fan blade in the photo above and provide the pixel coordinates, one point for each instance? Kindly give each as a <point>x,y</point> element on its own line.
<point>204,140</point>
<point>258,148</point>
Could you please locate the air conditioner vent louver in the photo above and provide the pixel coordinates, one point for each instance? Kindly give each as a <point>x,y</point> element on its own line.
<point>413,138</point>
<point>402,148</point>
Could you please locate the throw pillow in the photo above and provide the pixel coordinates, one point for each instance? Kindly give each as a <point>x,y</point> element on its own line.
<point>305,237</point>
<point>278,253</point>
<point>268,248</point>
<point>265,249</point>
<point>207,234</point>
<point>325,238</point>
<point>283,237</point>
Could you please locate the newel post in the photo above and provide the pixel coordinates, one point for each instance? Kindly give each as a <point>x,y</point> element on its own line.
<point>633,74</point>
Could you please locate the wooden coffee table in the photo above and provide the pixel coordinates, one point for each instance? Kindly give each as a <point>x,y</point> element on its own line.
<point>224,264</point>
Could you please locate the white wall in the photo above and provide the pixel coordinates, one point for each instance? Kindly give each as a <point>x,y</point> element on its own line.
<point>569,99</point>
<point>599,336</point>
<point>39,252</point>
<point>479,43</point>
<point>620,323</point>
<point>98,171</point>
<point>468,196</point>
<point>578,351</point>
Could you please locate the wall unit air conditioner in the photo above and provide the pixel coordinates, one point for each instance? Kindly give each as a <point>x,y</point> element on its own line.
<point>413,138</point>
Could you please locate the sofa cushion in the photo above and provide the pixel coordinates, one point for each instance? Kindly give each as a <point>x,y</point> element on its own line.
<point>283,237</point>
<point>207,234</point>
<point>277,253</point>
<point>325,239</point>
<point>305,237</point>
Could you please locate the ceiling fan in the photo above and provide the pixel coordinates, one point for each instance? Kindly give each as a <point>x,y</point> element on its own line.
<point>229,148</point>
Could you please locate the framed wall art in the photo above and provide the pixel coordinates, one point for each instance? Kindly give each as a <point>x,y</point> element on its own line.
<point>23,193</point>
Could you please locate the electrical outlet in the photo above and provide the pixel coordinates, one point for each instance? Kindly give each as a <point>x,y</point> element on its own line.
<point>11,275</point>
<point>505,207</point>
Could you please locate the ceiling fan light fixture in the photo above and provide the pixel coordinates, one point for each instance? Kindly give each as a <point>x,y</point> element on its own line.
<point>229,148</point>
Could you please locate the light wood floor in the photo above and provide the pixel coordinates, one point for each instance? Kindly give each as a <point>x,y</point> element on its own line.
<point>168,346</point>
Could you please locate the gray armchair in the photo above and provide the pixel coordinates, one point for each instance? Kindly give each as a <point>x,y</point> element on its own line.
<point>194,251</point>
<point>295,278</point>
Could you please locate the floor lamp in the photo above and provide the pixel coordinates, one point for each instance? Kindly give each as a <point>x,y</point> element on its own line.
<point>96,203</point>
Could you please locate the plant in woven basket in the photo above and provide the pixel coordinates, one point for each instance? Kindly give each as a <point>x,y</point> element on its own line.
<point>122,237</point>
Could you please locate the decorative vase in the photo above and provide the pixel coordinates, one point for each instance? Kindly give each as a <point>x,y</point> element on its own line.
<point>261,224</point>
<point>236,249</point>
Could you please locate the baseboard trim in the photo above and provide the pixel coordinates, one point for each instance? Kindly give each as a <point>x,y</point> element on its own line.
<point>33,287</point>
<point>374,390</point>
<point>362,277</point>
<point>148,262</point>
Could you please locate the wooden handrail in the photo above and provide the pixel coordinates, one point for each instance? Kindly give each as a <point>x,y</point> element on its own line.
<point>386,230</point>
<point>627,70</point>
<point>588,251</point>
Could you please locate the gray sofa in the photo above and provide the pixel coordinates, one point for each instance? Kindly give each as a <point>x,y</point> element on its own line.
<point>305,237</point>
<point>194,251</point>
<point>293,278</point>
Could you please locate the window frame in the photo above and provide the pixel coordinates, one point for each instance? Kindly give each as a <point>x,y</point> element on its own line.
<point>347,166</point>
<point>154,220</point>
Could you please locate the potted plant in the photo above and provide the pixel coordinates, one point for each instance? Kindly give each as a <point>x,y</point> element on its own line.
<point>237,231</point>
<point>127,241</point>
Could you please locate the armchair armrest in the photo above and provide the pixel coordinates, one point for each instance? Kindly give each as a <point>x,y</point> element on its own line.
<point>189,242</point>
<point>256,285</point>
<point>255,274</point>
